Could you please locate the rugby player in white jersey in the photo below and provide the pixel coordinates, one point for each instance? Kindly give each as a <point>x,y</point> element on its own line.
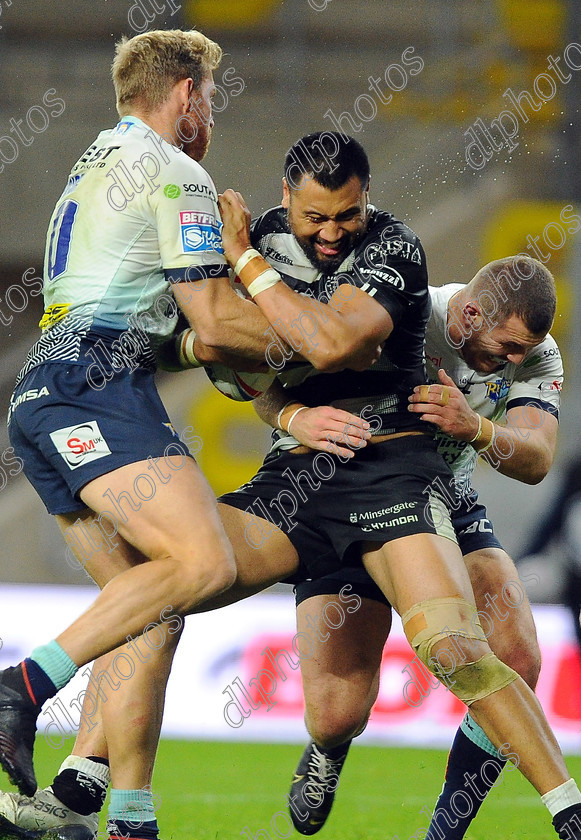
<point>416,563</point>
<point>137,220</point>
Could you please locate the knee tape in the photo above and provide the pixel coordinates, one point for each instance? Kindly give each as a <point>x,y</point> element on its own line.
<point>476,680</point>
<point>444,618</point>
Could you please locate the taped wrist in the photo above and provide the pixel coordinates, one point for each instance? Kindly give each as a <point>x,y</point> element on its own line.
<point>467,674</point>
<point>184,344</point>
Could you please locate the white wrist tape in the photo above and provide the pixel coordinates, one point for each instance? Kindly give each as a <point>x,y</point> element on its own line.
<point>268,278</point>
<point>249,254</point>
<point>292,417</point>
<point>185,349</point>
<point>479,432</point>
<point>279,415</point>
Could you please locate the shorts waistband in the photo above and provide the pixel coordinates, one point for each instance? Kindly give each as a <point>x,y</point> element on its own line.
<point>303,450</point>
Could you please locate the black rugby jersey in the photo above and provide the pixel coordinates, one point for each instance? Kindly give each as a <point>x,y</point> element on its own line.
<point>389,264</point>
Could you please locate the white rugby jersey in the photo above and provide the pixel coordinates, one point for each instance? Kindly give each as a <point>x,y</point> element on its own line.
<point>537,380</point>
<point>137,213</point>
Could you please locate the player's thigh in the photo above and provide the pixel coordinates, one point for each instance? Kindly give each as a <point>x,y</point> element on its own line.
<point>505,610</point>
<point>96,546</point>
<point>344,650</point>
<point>175,518</point>
<point>416,568</point>
<point>264,555</point>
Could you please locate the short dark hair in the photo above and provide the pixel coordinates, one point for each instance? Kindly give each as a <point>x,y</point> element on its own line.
<point>523,286</point>
<point>327,157</point>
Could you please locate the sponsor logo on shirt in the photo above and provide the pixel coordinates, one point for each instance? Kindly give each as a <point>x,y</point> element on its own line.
<point>31,394</point>
<point>80,444</point>
<point>551,351</point>
<point>271,254</point>
<point>374,514</point>
<point>53,314</point>
<point>377,254</point>
<point>387,273</point>
<point>172,191</point>
<point>123,127</point>
<point>392,523</point>
<point>200,232</point>
<point>200,189</point>
<point>548,387</point>
<point>498,389</point>
<point>435,360</point>
<point>171,429</point>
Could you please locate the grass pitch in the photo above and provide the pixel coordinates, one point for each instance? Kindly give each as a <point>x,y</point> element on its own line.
<point>224,791</point>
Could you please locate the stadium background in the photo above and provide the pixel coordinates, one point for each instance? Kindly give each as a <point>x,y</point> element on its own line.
<point>292,67</point>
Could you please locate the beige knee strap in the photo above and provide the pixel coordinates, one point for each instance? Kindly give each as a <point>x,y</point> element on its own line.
<point>431,621</point>
<point>475,680</point>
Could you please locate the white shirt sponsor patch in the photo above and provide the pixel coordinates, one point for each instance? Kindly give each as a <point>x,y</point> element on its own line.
<point>80,444</point>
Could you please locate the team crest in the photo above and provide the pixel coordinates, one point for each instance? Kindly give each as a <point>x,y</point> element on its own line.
<point>498,389</point>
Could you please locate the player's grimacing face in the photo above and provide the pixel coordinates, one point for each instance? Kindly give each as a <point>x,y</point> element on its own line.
<point>327,224</point>
<point>488,351</point>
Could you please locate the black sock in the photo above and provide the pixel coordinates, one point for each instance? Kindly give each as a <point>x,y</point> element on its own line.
<point>470,775</point>
<point>567,823</point>
<point>98,760</point>
<point>30,681</point>
<point>335,752</point>
<point>119,830</point>
<point>80,792</point>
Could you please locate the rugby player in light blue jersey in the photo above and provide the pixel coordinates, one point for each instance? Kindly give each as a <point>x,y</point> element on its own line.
<point>137,220</point>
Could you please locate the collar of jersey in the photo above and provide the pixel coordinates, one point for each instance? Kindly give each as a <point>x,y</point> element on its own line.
<point>129,122</point>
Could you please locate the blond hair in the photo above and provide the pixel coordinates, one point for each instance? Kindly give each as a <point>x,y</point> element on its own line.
<point>146,67</point>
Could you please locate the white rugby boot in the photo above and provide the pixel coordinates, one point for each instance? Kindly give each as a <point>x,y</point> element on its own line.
<point>43,815</point>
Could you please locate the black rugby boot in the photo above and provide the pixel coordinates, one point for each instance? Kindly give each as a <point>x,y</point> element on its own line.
<point>18,716</point>
<point>313,789</point>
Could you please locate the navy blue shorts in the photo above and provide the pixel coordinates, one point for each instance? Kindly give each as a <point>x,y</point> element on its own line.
<point>68,433</point>
<point>329,509</point>
<point>474,531</point>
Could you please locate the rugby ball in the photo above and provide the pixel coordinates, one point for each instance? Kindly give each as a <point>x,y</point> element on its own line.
<point>239,385</point>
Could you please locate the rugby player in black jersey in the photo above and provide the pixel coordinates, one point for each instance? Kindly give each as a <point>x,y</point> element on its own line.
<point>351,250</point>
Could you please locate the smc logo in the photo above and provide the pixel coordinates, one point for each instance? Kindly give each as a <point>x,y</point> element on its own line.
<point>80,444</point>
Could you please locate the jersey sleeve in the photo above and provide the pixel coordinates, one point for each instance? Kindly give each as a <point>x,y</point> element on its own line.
<point>539,379</point>
<point>188,223</point>
<point>391,268</point>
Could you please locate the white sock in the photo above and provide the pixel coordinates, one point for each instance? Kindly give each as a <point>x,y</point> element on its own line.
<point>88,767</point>
<point>562,797</point>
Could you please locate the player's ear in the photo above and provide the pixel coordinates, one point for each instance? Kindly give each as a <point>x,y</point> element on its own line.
<point>366,191</point>
<point>473,314</point>
<point>285,194</point>
<point>183,91</point>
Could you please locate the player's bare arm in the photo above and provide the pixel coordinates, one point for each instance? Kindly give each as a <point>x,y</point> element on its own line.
<point>524,447</point>
<point>348,330</point>
<point>223,321</point>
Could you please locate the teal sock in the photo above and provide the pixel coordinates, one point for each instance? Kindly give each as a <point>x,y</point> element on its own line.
<point>56,664</point>
<point>134,807</point>
<point>477,735</point>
